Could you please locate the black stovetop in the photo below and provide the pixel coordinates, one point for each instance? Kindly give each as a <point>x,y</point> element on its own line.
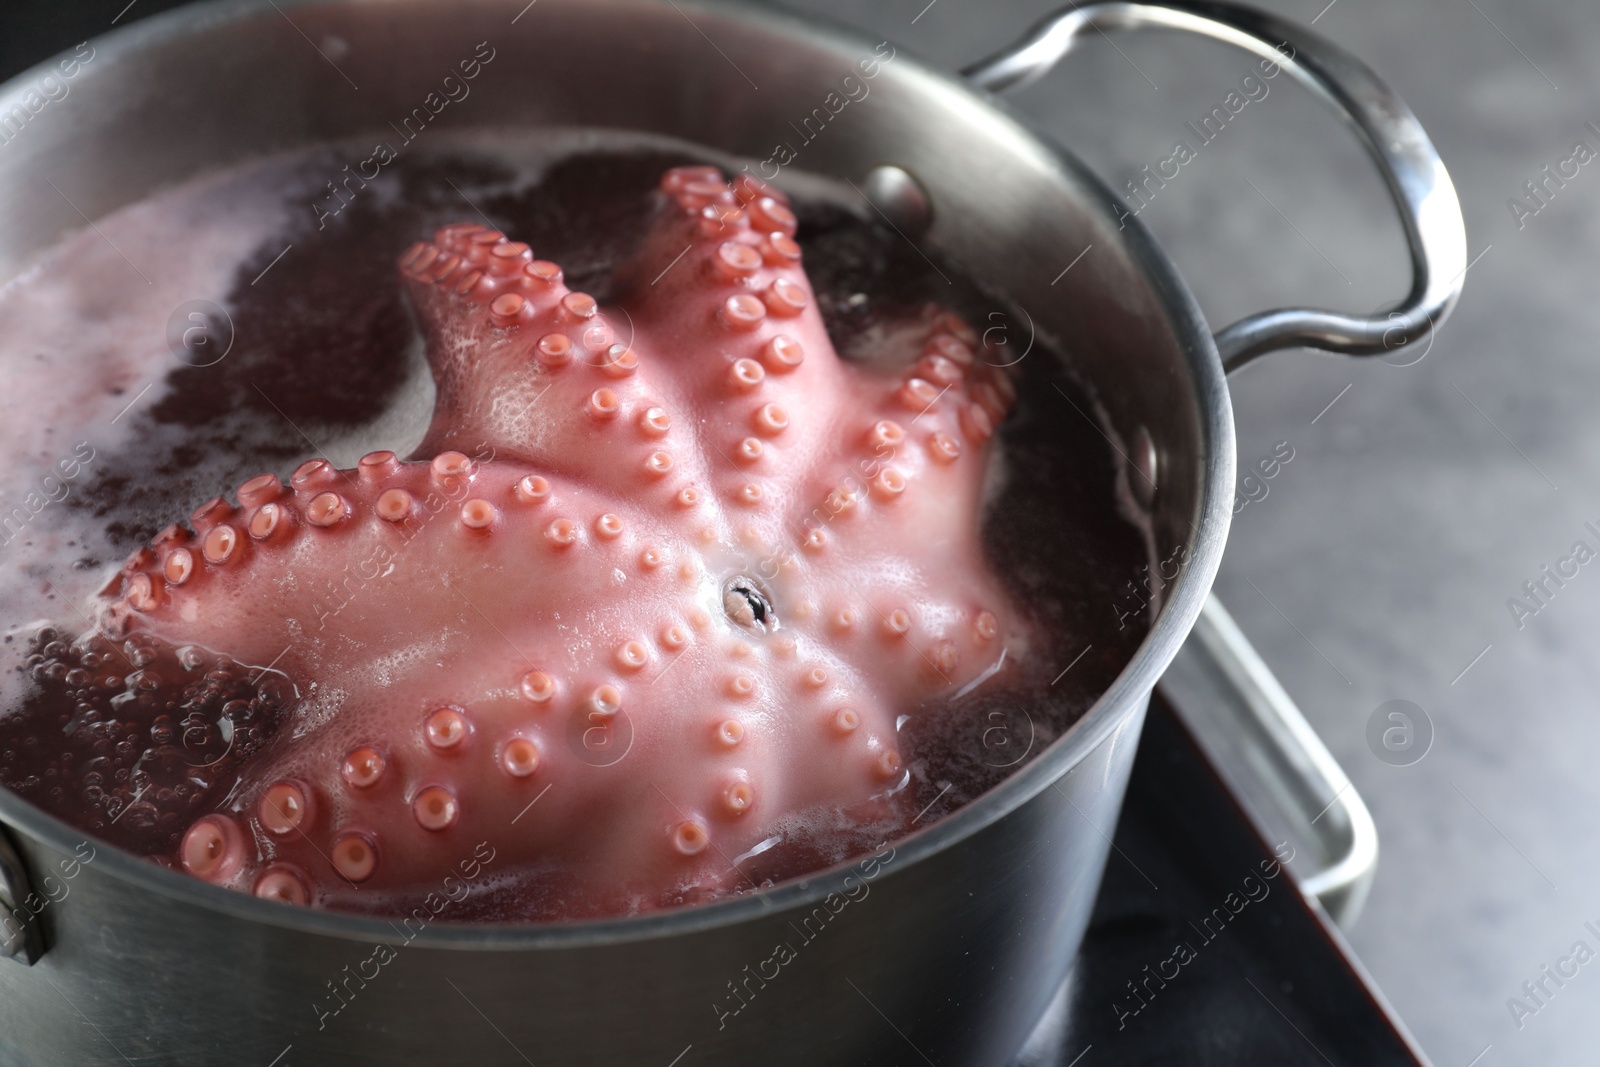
<point>1261,977</point>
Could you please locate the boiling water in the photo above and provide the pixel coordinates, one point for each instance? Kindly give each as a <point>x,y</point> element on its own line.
<point>116,421</point>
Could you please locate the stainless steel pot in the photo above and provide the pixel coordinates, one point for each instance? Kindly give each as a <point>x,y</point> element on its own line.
<point>945,948</point>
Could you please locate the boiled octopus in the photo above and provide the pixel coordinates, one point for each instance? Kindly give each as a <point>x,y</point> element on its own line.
<point>661,580</point>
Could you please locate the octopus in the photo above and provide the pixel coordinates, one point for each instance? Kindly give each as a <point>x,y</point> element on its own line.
<point>660,583</point>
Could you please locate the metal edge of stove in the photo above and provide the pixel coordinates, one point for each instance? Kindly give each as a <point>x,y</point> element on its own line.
<point>1363,976</point>
<point>1289,784</point>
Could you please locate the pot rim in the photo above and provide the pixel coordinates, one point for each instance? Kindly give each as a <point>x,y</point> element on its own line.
<point>1106,717</point>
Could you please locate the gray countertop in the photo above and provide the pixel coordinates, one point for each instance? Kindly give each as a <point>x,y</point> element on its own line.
<point>1420,502</point>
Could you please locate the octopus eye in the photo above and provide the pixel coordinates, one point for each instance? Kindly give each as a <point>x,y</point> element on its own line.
<point>747,605</point>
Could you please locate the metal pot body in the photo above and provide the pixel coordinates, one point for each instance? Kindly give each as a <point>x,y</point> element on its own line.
<point>944,948</point>
<point>953,956</point>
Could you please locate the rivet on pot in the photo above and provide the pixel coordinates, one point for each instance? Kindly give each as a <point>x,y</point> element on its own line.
<point>901,198</point>
<point>1143,458</point>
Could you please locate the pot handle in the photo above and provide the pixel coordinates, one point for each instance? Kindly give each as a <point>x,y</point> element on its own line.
<point>1411,167</point>
<point>21,932</point>
<point>1273,762</point>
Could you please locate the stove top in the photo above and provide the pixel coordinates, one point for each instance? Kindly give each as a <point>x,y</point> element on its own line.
<point>1202,949</point>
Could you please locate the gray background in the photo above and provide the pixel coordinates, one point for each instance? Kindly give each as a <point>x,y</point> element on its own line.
<point>1407,518</point>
